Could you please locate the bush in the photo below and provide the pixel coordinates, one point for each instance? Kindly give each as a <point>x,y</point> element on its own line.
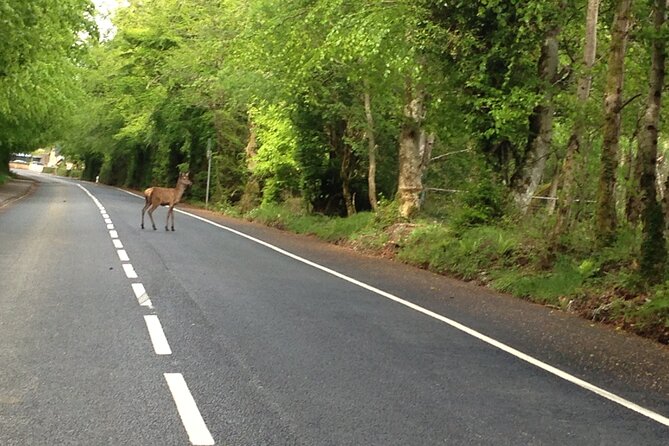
<point>482,203</point>
<point>655,311</point>
<point>387,213</point>
<point>268,214</point>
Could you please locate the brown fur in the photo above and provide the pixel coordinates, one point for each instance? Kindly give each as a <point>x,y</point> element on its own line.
<point>164,196</point>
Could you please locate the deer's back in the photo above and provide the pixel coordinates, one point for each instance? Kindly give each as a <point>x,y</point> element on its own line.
<point>160,195</point>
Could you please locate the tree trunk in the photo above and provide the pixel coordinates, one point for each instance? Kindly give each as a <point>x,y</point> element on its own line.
<point>552,193</point>
<point>605,219</point>
<point>251,194</point>
<point>251,149</point>
<point>662,166</point>
<point>345,175</point>
<point>413,144</point>
<point>631,195</point>
<point>371,175</point>
<point>541,126</point>
<point>4,157</point>
<point>653,245</point>
<point>566,195</point>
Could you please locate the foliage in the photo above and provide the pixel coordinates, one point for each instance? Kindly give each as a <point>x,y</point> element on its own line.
<point>565,279</point>
<point>180,76</point>
<point>483,202</point>
<point>466,255</point>
<point>275,162</point>
<point>39,50</point>
<point>656,308</point>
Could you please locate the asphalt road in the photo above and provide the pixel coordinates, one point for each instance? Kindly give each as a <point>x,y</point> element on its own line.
<point>224,339</point>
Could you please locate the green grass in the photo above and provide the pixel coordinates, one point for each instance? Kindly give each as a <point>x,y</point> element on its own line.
<point>565,279</point>
<point>332,229</point>
<point>476,250</point>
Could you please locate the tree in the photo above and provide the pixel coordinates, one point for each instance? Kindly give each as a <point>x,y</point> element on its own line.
<point>653,246</point>
<point>541,124</point>
<point>40,44</point>
<point>414,152</point>
<point>575,144</point>
<point>606,220</point>
<point>371,138</point>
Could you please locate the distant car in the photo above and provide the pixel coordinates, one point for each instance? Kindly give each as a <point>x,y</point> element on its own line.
<point>19,162</point>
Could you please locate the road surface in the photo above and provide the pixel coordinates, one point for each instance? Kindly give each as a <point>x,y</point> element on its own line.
<point>228,333</point>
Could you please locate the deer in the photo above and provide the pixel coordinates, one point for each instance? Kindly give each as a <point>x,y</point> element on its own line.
<point>165,196</point>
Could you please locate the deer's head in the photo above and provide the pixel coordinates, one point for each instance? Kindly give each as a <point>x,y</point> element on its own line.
<point>184,180</point>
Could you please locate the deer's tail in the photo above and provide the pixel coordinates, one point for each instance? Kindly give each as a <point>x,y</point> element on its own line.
<point>147,195</point>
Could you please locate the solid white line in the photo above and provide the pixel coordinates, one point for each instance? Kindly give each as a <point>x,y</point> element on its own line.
<point>198,434</point>
<point>131,193</point>
<point>104,214</point>
<point>480,336</point>
<point>129,271</point>
<point>113,234</point>
<point>157,335</point>
<point>117,243</point>
<point>122,255</point>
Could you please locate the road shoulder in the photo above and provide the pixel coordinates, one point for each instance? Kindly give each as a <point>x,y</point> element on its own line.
<point>15,189</point>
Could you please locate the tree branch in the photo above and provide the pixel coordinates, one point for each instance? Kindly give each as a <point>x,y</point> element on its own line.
<point>448,154</point>
<point>628,102</point>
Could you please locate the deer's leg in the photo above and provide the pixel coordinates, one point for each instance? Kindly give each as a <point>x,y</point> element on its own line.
<point>153,208</point>
<point>167,222</point>
<point>146,206</point>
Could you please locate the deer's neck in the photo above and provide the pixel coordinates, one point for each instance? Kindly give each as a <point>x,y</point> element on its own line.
<point>179,192</point>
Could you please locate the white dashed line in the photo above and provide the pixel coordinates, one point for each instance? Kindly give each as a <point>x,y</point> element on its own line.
<point>140,294</point>
<point>198,434</point>
<point>129,271</point>
<point>122,255</point>
<point>197,430</point>
<point>158,339</point>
